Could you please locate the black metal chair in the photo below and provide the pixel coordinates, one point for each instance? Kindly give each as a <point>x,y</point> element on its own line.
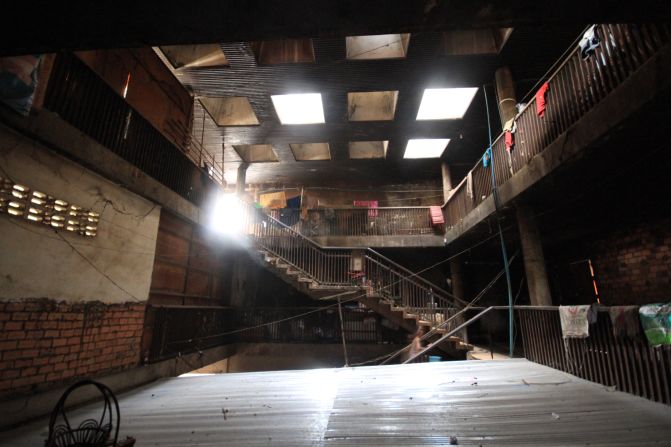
<point>90,432</point>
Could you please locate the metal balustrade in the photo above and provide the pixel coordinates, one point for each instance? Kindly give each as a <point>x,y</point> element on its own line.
<point>335,267</point>
<point>80,97</point>
<point>575,87</point>
<point>628,365</point>
<point>390,221</point>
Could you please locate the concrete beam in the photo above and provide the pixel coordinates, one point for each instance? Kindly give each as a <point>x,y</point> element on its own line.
<point>87,25</point>
<point>642,87</point>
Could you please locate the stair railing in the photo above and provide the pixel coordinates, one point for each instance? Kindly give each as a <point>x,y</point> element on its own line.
<point>332,267</point>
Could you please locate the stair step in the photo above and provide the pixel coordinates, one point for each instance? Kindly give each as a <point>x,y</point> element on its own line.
<point>305,279</point>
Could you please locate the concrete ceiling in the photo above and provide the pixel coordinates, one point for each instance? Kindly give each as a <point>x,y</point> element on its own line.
<point>76,24</point>
<point>364,101</point>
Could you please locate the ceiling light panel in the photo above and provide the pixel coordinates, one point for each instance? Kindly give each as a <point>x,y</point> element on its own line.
<point>301,108</point>
<point>371,106</point>
<point>381,46</point>
<point>362,150</point>
<point>425,148</point>
<point>256,153</point>
<point>230,111</point>
<point>445,103</point>
<point>310,151</point>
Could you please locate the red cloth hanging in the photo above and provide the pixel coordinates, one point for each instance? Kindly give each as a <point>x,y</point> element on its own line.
<point>370,204</point>
<point>510,140</point>
<point>436,214</point>
<point>540,99</point>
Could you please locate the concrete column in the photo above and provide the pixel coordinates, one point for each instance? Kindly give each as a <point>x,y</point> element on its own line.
<point>447,180</point>
<point>505,94</point>
<point>534,261</point>
<point>241,180</point>
<point>457,276</point>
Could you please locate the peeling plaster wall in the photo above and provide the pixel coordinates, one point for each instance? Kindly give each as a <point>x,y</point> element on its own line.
<point>35,261</point>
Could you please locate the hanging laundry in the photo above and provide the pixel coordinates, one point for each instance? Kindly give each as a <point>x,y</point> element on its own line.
<point>274,200</point>
<point>540,99</point>
<point>436,214</point>
<point>487,157</point>
<point>294,202</point>
<point>575,320</point>
<point>656,322</point>
<point>469,186</point>
<point>589,42</point>
<point>625,321</point>
<point>509,139</point>
<point>370,204</point>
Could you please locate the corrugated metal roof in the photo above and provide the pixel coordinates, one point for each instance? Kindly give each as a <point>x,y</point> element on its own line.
<point>512,402</point>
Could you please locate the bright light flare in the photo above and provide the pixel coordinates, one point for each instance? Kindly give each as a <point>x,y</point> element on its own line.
<point>227,215</point>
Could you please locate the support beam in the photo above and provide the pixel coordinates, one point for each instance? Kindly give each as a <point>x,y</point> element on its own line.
<point>457,277</point>
<point>448,184</point>
<point>242,178</point>
<point>534,260</point>
<point>505,94</point>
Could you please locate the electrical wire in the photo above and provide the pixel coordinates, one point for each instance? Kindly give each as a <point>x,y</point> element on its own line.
<point>434,330</point>
<point>237,331</point>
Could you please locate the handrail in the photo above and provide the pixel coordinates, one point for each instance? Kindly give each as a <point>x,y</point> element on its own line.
<point>449,334</point>
<point>331,266</point>
<point>576,86</point>
<point>410,273</point>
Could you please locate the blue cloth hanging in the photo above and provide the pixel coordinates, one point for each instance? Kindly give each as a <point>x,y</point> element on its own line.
<point>487,157</point>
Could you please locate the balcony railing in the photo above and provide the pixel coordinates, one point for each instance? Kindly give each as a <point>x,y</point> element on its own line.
<point>85,101</point>
<point>319,326</point>
<point>575,87</point>
<point>628,365</point>
<point>175,330</point>
<point>393,221</point>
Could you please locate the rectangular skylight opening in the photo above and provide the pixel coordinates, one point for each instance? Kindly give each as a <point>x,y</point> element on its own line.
<point>364,150</point>
<point>192,56</point>
<point>284,51</point>
<point>381,46</point>
<point>445,103</point>
<point>256,153</point>
<point>310,151</point>
<point>230,111</point>
<point>371,106</point>
<point>426,148</point>
<point>301,108</point>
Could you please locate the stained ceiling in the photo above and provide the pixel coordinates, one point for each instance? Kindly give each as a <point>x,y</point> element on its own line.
<point>370,105</point>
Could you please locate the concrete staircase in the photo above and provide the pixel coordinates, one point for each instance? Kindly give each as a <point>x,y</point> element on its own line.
<point>402,317</point>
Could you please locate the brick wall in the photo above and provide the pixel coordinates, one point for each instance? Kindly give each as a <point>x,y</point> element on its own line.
<point>44,343</point>
<point>633,265</point>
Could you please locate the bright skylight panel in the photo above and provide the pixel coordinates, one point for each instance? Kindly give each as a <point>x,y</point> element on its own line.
<point>425,148</point>
<point>302,108</point>
<point>445,103</point>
